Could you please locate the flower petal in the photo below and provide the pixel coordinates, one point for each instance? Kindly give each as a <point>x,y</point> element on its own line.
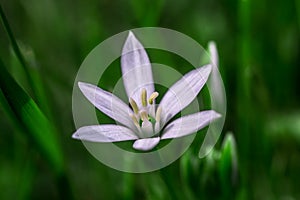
<point>104,133</point>
<point>136,69</point>
<point>213,53</point>
<point>189,124</point>
<point>183,92</point>
<point>108,103</point>
<point>215,80</point>
<point>146,144</point>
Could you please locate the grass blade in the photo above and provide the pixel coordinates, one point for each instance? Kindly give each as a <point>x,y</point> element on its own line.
<point>31,119</point>
<point>32,74</point>
<point>14,45</point>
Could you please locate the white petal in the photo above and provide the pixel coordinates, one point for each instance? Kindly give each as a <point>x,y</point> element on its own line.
<point>183,92</point>
<point>108,103</point>
<point>189,124</point>
<point>213,53</point>
<point>136,69</point>
<point>146,144</point>
<point>104,133</point>
<point>147,129</point>
<point>215,82</point>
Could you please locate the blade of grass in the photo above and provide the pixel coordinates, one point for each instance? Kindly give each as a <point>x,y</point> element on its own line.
<point>32,74</point>
<point>9,112</point>
<point>26,181</point>
<point>31,118</point>
<point>23,170</point>
<point>26,114</point>
<point>14,45</point>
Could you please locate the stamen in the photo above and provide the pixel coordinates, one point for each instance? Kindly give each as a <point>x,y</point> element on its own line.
<point>157,118</point>
<point>144,116</point>
<point>134,106</point>
<point>153,96</point>
<point>144,97</point>
<point>135,121</point>
<point>158,113</point>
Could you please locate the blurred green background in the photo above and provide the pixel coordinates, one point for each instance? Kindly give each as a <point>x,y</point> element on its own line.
<point>258,44</point>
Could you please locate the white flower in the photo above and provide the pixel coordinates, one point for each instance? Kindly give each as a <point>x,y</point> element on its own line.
<point>145,122</point>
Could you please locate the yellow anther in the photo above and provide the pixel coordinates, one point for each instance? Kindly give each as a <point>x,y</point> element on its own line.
<point>144,97</point>
<point>135,121</point>
<point>153,96</point>
<point>144,116</point>
<point>134,106</point>
<point>158,113</point>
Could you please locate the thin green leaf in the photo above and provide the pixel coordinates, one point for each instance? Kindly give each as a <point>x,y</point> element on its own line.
<point>30,117</point>
<point>28,173</point>
<point>31,73</point>
<point>14,44</point>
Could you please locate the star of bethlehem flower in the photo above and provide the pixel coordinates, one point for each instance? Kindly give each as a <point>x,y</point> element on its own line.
<point>145,122</point>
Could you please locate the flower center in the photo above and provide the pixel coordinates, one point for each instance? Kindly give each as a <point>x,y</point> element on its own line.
<point>147,117</point>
